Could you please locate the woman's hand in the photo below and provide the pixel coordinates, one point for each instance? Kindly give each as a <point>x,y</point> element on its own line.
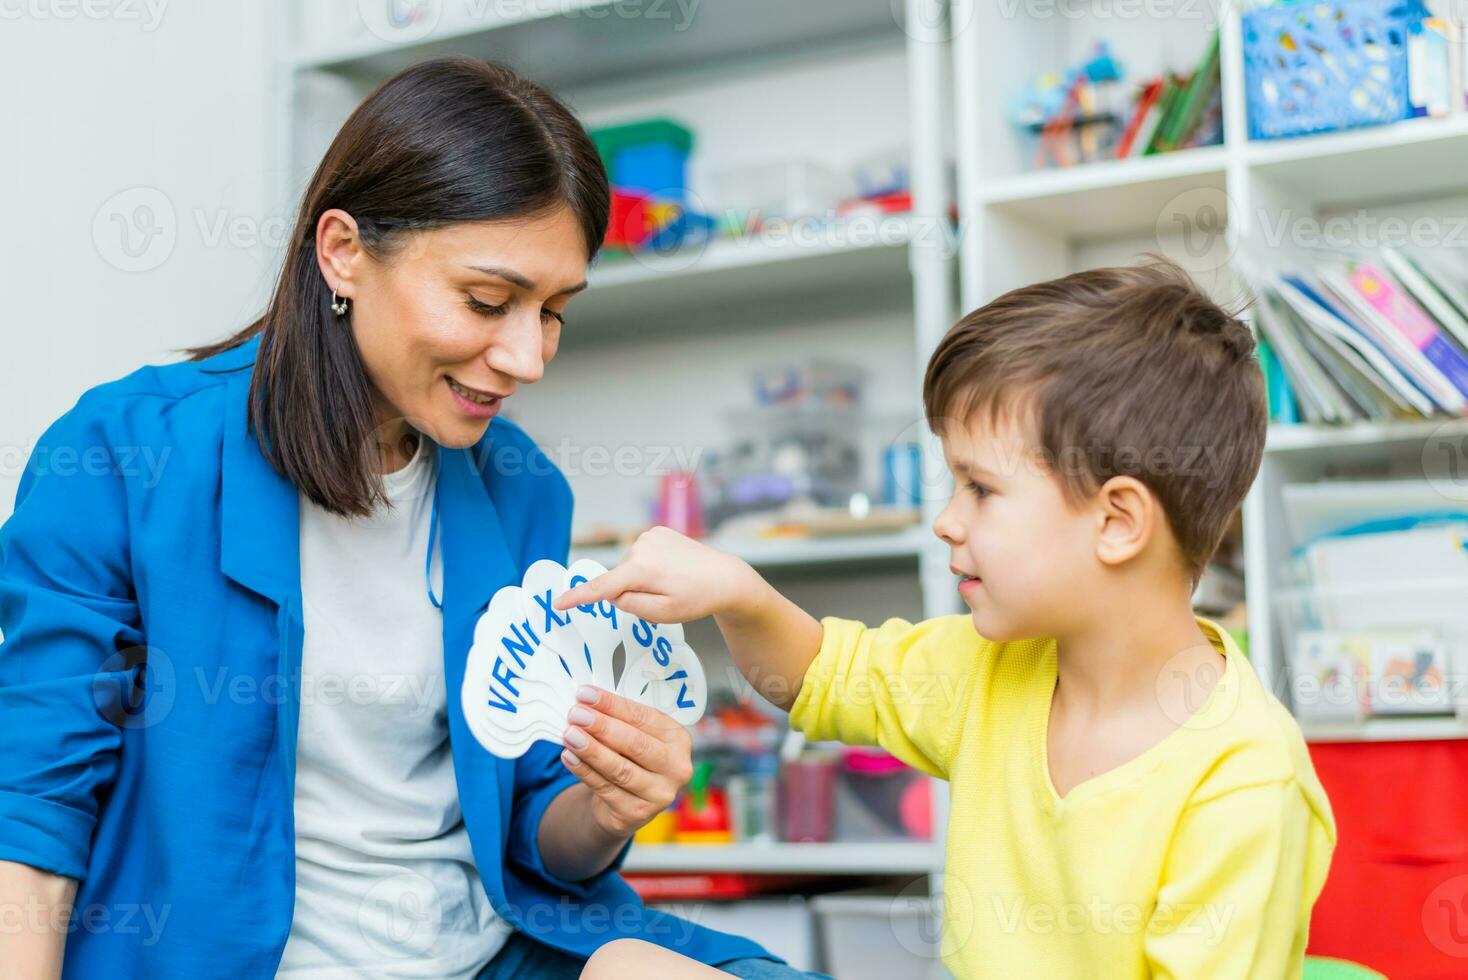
<point>669,578</point>
<point>632,757</point>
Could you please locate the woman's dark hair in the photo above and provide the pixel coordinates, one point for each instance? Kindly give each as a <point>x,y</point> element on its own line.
<point>444,141</point>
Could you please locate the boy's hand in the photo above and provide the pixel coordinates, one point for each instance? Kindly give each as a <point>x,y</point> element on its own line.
<point>669,578</point>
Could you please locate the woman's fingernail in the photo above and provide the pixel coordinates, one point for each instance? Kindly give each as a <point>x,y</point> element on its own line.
<point>580,716</point>
<point>587,694</point>
<point>576,738</point>
<point>570,760</point>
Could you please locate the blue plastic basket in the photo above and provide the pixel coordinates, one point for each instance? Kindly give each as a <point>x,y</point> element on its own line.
<point>1318,66</point>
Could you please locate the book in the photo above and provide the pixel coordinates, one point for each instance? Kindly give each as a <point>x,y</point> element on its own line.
<point>1399,328</point>
<point>1410,275</point>
<point>1320,399</point>
<point>1196,96</point>
<point>1143,119</point>
<point>1277,388</point>
<point>1320,315</point>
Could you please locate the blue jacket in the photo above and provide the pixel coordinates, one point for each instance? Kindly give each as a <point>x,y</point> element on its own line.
<point>150,602</point>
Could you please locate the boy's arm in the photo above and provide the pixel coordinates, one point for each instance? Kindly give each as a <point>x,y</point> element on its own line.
<point>1242,874</point>
<point>668,578</point>
<point>900,686</point>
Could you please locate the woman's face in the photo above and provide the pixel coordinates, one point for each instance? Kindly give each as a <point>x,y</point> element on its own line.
<point>454,320</point>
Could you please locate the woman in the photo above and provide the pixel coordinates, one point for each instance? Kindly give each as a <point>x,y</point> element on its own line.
<point>228,682</point>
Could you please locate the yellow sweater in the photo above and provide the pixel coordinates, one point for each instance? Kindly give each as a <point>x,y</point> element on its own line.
<point>1198,859</point>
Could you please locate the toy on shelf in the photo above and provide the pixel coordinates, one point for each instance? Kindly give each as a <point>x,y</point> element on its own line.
<point>647,164</point>
<point>703,811</point>
<point>1080,117</point>
<point>1072,113</point>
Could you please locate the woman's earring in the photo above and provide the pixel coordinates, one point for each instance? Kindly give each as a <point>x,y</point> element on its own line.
<point>338,305</point>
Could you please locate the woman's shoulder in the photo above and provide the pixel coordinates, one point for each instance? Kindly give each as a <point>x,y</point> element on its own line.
<point>159,388</point>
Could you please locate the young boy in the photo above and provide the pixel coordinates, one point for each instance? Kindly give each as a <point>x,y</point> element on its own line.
<point>1127,799</point>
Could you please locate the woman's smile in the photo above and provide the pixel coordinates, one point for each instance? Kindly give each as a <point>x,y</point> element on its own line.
<point>474,402</point>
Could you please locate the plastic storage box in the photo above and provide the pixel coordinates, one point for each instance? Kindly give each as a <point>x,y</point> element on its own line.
<point>878,937</point>
<point>1375,650</point>
<point>1315,67</point>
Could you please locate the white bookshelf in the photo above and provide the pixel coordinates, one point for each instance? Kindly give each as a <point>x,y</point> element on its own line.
<point>802,553</point>
<point>857,858</point>
<point>1201,206</point>
<point>657,348</point>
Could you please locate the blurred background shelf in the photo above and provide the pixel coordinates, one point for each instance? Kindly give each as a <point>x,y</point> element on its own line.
<point>1307,438</point>
<point>787,553</point>
<point>859,263</point>
<point>855,858</point>
<point>1389,730</point>
<point>579,43</point>
<point>1108,198</point>
<point>1414,158</point>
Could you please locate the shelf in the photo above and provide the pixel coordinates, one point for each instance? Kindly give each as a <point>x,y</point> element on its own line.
<point>1420,158</point>
<point>788,553</point>
<point>1316,438</point>
<point>568,44</point>
<point>1388,730</point>
<point>752,277</point>
<point>875,858</point>
<point>1136,192</point>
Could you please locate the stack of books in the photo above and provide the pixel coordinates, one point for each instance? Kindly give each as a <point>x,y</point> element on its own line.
<point>1175,112</point>
<point>1375,337</point>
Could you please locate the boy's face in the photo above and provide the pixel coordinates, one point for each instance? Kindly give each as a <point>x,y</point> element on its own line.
<point>1026,556</point>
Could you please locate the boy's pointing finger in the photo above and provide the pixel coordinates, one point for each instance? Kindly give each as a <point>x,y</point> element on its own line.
<point>607,586</point>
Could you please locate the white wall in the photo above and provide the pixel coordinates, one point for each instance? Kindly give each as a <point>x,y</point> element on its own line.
<point>111,106</point>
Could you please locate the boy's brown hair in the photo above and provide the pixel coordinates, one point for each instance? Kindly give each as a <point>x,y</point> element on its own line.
<point>1130,370</point>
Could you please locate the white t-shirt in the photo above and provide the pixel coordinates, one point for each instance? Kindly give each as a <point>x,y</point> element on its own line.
<point>385,880</point>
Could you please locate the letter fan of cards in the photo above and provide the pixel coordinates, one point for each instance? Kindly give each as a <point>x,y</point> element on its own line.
<point>528,658</point>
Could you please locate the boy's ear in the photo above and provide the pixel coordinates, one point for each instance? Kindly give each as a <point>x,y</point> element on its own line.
<point>1128,514</point>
